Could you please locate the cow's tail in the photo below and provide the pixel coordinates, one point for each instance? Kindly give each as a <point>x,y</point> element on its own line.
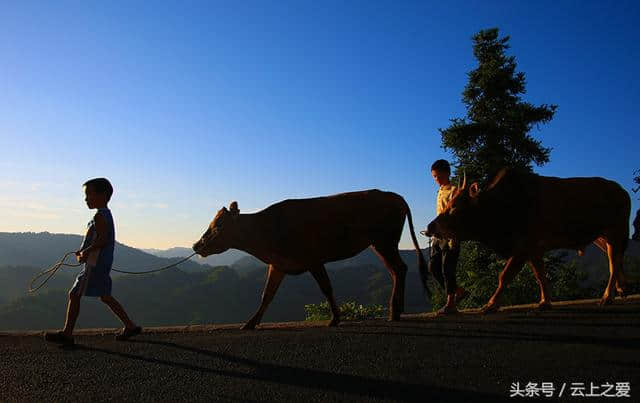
<point>422,263</point>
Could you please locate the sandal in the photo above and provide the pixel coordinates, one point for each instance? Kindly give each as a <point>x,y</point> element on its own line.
<point>127,333</point>
<point>59,338</point>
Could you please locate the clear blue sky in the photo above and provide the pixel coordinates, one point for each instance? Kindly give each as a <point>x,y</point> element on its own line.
<point>187,106</point>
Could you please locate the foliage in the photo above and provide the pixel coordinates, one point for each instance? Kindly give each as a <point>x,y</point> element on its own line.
<point>348,311</point>
<point>636,180</point>
<point>495,131</point>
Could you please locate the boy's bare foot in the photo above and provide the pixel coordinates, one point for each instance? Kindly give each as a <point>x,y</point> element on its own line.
<point>59,337</point>
<point>128,332</point>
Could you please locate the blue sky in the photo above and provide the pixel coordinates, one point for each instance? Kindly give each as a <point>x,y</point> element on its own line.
<point>187,106</point>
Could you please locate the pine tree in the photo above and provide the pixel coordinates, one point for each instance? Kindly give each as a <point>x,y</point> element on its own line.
<point>496,130</point>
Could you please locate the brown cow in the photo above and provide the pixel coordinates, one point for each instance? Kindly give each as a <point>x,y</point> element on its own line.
<point>294,236</point>
<point>521,216</point>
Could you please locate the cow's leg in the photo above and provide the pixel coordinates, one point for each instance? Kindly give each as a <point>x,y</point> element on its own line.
<point>620,278</point>
<point>616,256</point>
<point>320,274</point>
<point>274,278</point>
<point>537,266</point>
<point>390,256</point>
<point>513,267</point>
<point>621,282</point>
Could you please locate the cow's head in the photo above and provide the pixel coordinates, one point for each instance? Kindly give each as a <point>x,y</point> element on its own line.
<point>462,217</point>
<point>451,223</point>
<point>221,232</point>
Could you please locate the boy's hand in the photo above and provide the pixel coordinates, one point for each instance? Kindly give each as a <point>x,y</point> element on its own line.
<point>81,256</point>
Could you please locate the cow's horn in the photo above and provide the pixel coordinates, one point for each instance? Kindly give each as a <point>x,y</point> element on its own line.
<point>464,180</point>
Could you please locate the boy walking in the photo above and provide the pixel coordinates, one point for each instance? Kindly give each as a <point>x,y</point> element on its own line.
<point>444,253</point>
<point>96,253</point>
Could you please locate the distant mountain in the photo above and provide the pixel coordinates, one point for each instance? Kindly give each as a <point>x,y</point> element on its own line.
<point>201,293</point>
<point>23,255</point>
<point>596,263</point>
<point>198,294</point>
<point>365,258</point>
<point>214,295</point>
<point>226,258</point>
<point>43,249</point>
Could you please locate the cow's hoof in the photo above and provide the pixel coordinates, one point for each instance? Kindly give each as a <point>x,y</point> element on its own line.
<point>606,301</point>
<point>333,322</point>
<point>489,308</point>
<point>544,306</point>
<point>248,326</point>
<point>621,293</point>
<point>394,316</point>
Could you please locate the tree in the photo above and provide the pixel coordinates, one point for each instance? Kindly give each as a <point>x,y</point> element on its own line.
<point>495,131</point>
<point>636,221</point>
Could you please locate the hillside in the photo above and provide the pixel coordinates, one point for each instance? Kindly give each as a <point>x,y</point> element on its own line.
<point>202,294</point>
<point>40,250</point>
<point>196,294</point>
<point>226,258</point>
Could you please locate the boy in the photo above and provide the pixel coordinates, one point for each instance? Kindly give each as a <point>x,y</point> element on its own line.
<point>443,255</point>
<point>96,253</point>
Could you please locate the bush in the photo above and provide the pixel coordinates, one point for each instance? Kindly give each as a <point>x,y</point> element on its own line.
<point>348,311</point>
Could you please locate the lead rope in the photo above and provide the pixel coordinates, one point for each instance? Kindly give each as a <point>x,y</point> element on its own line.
<point>51,271</point>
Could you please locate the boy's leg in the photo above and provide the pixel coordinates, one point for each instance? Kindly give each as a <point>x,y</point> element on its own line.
<point>449,264</point>
<point>73,310</point>
<point>435,264</point>
<point>65,336</point>
<point>117,309</point>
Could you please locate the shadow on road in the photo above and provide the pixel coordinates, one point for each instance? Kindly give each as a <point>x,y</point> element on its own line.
<point>307,377</point>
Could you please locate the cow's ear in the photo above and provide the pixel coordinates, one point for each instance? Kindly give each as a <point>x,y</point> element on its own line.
<point>474,189</point>
<point>233,207</point>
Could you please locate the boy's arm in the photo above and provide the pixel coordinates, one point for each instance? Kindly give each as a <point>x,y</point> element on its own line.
<point>78,253</point>
<point>102,236</point>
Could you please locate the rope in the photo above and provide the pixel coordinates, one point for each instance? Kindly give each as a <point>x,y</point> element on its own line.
<point>51,271</point>
<point>424,233</point>
<point>154,270</point>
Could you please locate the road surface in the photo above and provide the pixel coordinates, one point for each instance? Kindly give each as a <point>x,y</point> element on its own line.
<point>468,357</point>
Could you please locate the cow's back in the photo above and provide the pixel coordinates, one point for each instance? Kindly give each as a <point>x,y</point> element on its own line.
<point>334,227</point>
<point>572,212</point>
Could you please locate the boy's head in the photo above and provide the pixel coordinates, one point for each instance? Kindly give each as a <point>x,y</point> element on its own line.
<point>97,192</point>
<point>441,170</point>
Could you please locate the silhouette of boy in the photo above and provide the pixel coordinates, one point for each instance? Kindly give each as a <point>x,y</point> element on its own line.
<point>444,253</point>
<point>96,253</point>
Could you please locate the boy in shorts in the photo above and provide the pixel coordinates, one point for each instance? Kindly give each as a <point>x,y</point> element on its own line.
<point>96,253</point>
<point>444,253</point>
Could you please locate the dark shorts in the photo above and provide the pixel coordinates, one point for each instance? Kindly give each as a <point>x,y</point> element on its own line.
<point>443,261</point>
<point>96,280</point>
